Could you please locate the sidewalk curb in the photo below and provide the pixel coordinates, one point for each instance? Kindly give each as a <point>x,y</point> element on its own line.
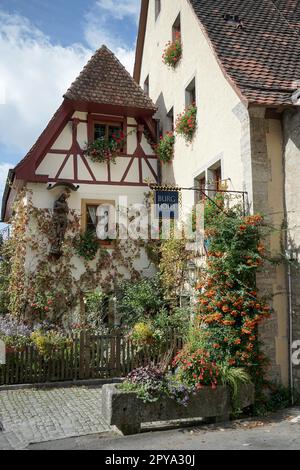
<point>70,383</point>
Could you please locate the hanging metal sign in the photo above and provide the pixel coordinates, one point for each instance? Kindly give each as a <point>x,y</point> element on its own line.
<point>167,204</point>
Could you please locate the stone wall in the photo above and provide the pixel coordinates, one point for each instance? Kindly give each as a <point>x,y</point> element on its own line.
<point>267,199</point>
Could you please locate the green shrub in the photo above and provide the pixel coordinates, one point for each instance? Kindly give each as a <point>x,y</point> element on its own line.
<point>140,300</point>
<point>175,319</point>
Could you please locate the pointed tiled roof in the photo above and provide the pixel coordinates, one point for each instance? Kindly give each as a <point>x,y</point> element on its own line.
<point>104,80</point>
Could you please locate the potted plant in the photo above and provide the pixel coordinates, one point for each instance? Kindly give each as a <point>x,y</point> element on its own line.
<point>165,148</point>
<point>186,123</point>
<point>173,51</point>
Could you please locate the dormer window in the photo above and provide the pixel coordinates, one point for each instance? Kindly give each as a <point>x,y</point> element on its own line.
<point>233,20</point>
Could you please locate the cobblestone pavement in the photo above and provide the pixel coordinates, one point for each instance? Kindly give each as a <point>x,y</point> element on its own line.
<point>40,415</point>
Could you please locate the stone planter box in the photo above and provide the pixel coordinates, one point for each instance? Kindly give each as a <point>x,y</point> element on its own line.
<point>126,411</point>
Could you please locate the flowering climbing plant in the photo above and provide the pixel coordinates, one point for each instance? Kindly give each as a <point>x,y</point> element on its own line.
<point>52,291</point>
<point>229,308</point>
<point>186,123</point>
<point>173,51</point>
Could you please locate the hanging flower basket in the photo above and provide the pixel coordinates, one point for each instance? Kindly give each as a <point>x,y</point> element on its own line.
<point>165,148</point>
<point>105,150</point>
<point>186,123</point>
<point>173,52</point>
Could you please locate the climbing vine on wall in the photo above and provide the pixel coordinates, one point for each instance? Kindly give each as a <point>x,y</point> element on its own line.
<point>230,308</point>
<point>42,287</point>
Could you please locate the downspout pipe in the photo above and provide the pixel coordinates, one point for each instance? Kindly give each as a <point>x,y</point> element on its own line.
<point>290,302</point>
<point>159,169</point>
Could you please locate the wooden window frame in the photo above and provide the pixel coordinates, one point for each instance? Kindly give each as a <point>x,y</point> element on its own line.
<point>107,121</point>
<point>83,222</point>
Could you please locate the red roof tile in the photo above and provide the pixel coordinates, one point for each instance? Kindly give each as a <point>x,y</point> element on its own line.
<point>104,80</point>
<point>261,59</point>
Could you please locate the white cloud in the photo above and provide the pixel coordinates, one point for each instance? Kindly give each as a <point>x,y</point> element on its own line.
<point>119,9</point>
<point>35,74</point>
<point>98,30</point>
<point>96,36</point>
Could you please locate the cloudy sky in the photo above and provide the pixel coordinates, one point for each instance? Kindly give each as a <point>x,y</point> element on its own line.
<point>43,46</point>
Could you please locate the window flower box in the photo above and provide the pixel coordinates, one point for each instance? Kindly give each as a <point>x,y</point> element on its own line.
<point>105,150</point>
<point>165,148</point>
<point>186,123</point>
<point>173,51</point>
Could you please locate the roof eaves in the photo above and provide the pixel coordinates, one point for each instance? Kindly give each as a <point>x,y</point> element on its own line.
<point>7,189</point>
<point>140,40</point>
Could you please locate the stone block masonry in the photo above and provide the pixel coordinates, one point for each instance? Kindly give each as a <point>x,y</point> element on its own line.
<point>126,411</point>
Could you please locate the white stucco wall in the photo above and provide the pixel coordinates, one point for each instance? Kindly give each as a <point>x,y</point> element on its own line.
<point>218,136</point>
<point>44,199</point>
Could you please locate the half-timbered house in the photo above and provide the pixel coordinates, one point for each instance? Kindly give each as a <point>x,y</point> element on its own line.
<point>103,102</point>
